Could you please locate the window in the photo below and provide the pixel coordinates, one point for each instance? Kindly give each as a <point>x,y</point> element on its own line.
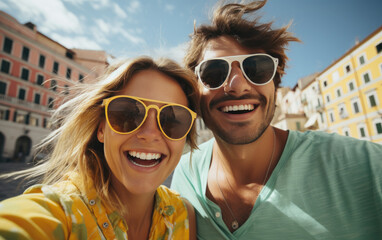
<point>362,132</point>
<point>25,54</point>
<point>338,92</point>
<point>366,78</point>
<point>81,78</point>
<point>68,73</point>
<point>37,98</point>
<point>25,74</point>
<point>361,60</point>
<point>55,67</point>
<point>8,43</point>
<point>53,85</point>
<point>41,61</point>
<point>379,47</point>
<point>318,103</point>
<point>355,105</point>
<point>50,103</point>
<point>40,80</point>
<point>378,127</point>
<point>372,100</point>
<point>322,117</point>
<point>347,68</point>
<point>5,66</point>
<point>351,86</point>
<point>33,121</point>
<point>328,98</point>
<point>346,132</point>
<point>69,54</point>
<point>342,111</point>
<point>21,94</point>
<point>331,115</point>
<point>3,88</point>
<point>66,90</point>
<point>4,114</point>
<point>325,83</point>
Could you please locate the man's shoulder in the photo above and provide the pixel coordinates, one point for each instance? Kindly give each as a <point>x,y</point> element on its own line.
<point>331,141</point>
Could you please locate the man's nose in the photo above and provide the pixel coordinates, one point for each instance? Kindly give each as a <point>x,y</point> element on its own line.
<point>236,84</point>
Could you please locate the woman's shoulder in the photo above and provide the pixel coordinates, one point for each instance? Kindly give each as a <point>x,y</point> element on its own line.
<point>169,202</point>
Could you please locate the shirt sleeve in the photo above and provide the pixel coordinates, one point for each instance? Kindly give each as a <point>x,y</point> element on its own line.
<point>32,216</point>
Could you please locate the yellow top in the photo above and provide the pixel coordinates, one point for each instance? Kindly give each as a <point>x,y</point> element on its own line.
<point>63,211</point>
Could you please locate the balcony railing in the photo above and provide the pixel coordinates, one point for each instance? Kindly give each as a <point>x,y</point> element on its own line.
<point>24,103</point>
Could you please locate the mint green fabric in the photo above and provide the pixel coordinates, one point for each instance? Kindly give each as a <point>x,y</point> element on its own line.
<point>325,186</point>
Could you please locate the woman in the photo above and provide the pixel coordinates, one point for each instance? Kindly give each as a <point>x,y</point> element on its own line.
<point>115,143</point>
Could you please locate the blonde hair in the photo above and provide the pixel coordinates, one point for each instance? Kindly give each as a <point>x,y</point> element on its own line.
<point>73,145</point>
<point>233,20</point>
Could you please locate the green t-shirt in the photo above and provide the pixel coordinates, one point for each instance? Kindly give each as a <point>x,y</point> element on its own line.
<point>325,186</point>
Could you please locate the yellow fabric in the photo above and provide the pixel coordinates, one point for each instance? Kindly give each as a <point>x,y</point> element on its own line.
<point>63,211</point>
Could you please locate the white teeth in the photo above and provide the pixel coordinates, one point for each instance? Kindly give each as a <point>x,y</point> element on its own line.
<point>144,156</point>
<point>145,166</point>
<point>238,107</point>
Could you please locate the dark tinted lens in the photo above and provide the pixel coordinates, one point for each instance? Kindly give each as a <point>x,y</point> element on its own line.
<point>175,121</point>
<point>125,114</point>
<point>213,72</point>
<point>259,69</point>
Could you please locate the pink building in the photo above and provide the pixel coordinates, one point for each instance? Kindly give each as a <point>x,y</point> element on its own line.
<point>34,70</point>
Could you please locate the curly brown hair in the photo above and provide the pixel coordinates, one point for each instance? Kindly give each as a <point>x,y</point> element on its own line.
<point>233,20</point>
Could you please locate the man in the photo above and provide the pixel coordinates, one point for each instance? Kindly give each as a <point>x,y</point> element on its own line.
<point>254,181</point>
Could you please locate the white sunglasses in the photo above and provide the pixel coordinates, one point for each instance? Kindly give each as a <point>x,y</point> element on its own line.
<point>258,69</point>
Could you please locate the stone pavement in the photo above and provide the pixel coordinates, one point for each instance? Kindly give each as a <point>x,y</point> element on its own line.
<point>12,188</point>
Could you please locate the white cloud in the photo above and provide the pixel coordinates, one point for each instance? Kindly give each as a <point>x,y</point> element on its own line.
<point>176,53</point>
<point>131,37</point>
<point>50,15</point>
<point>75,2</point>
<point>103,26</point>
<point>98,4</point>
<point>76,42</point>
<point>99,36</point>
<point>119,11</point>
<point>134,6</point>
<point>115,28</point>
<point>169,7</point>
<point>4,6</point>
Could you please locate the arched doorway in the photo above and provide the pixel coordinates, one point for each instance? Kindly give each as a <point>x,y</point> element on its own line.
<point>2,143</point>
<point>22,148</point>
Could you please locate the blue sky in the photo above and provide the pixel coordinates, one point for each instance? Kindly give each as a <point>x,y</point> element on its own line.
<point>128,28</point>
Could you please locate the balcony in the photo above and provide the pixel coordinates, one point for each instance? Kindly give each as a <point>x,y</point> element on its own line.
<point>23,104</point>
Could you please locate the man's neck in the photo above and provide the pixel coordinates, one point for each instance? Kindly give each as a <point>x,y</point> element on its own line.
<point>249,163</point>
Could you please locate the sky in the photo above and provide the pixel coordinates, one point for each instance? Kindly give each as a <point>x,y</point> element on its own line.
<point>161,28</point>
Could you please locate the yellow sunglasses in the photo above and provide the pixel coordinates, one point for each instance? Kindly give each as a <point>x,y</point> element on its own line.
<point>126,114</point>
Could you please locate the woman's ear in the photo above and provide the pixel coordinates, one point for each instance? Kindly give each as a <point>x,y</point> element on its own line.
<point>100,131</point>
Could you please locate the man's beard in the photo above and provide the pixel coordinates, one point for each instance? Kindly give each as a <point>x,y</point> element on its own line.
<point>247,135</point>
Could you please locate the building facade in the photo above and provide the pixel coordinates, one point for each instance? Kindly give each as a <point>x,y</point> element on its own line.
<point>352,91</point>
<point>35,73</point>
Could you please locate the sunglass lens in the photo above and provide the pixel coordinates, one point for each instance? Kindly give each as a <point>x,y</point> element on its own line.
<point>259,69</point>
<point>125,114</point>
<point>213,72</point>
<point>175,121</point>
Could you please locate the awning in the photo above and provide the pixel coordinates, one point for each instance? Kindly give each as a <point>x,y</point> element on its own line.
<point>311,121</point>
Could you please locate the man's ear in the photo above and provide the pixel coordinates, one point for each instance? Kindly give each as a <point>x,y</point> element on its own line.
<point>100,131</point>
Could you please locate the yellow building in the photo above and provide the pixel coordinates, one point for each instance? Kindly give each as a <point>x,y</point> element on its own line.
<point>352,91</point>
